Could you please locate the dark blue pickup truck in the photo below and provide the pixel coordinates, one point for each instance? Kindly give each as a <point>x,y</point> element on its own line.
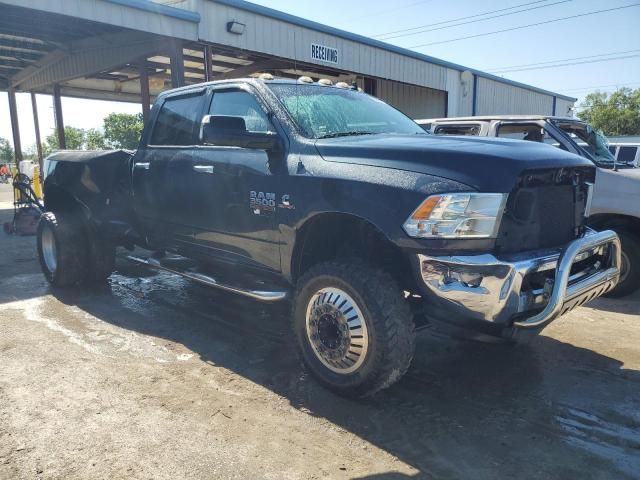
<point>329,198</point>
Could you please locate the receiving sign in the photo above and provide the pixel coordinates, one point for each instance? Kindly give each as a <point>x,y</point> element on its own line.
<point>324,54</point>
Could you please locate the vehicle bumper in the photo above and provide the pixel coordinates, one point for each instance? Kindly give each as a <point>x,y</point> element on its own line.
<point>520,292</point>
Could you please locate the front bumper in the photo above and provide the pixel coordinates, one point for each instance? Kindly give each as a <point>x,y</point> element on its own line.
<point>524,291</point>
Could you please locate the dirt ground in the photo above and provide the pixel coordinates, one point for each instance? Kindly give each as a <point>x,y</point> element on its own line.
<point>156,377</point>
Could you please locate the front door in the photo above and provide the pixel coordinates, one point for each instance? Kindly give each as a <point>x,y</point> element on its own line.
<point>234,195</point>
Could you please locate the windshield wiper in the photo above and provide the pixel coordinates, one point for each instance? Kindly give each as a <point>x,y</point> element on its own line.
<point>345,134</point>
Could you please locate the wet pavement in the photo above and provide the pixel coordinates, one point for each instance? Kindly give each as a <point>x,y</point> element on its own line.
<point>154,376</point>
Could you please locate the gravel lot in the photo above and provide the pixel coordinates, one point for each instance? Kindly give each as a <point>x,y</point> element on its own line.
<point>153,376</point>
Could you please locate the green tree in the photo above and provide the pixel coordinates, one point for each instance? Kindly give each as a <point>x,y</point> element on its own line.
<point>6,151</point>
<point>123,130</point>
<point>74,138</point>
<point>615,114</point>
<point>94,140</point>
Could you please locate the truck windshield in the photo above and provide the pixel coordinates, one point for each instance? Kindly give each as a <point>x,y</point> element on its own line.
<point>325,112</point>
<point>590,140</point>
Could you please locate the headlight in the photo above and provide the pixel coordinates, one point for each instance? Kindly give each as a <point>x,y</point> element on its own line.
<point>457,215</point>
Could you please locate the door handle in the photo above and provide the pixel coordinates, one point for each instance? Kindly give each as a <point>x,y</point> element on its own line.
<point>203,168</point>
<point>142,165</point>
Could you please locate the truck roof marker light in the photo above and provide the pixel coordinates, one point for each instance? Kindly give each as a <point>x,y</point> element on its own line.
<point>342,85</point>
<point>266,76</point>
<point>305,79</point>
<point>325,82</point>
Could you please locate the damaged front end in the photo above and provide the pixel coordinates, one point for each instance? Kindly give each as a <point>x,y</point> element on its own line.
<point>545,262</point>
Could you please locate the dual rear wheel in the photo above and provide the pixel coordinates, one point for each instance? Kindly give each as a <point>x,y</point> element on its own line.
<point>70,253</point>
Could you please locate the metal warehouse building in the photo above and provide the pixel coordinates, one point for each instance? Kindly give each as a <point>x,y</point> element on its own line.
<point>130,50</point>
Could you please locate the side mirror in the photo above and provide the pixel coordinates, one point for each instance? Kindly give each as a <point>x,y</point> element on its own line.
<point>229,131</point>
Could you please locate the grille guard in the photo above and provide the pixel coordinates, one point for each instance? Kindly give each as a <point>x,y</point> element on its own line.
<point>565,297</point>
<point>486,290</point>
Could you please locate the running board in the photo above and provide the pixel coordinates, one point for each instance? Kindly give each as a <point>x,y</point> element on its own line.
<point>261,295</point>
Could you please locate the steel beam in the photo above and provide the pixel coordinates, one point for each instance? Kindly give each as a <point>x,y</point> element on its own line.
<point>36,126</point>
<point>176,64</point>
<point>144,91</point>
<point>15,128</point>
<point>208,63</point>
<point>57,111</point>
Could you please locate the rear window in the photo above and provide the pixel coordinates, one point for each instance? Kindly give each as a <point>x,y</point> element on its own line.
<point>627,154</point>
<point>177,122</point>
<point>531,132</point>
<point>457,130</point>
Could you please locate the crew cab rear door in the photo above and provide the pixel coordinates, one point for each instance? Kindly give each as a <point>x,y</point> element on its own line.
<point>234,189</point>
<point>162,171</point>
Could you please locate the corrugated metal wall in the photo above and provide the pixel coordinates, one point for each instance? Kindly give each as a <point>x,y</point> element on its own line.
<point>284,40</point>
<point>495,98</point>
<point>563,108</point>
<point>415,102</point>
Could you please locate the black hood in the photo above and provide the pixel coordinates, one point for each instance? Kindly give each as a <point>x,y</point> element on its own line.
<point>488,165</point>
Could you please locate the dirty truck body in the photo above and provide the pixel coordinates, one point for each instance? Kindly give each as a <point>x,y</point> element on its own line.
<point>277,189</point>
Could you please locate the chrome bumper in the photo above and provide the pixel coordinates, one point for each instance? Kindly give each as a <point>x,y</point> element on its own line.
<point>524,291</point>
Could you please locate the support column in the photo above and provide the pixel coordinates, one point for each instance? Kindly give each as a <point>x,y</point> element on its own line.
<point>15,128</point>
<point>57,111</point>
<point>144,91</point>
<point>36,125</point>
<point>177,65</point>
<point>208,64</point>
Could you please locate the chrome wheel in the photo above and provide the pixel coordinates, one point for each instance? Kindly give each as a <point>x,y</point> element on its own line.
<point>337,330</point>
<point>49,250</point>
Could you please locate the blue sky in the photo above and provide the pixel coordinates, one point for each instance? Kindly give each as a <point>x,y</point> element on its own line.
<point>573,40</point>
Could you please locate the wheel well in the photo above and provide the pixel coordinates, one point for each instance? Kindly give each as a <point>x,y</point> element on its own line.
<point>57,199</point>
<point>336,235</point>
<point>620,222</point>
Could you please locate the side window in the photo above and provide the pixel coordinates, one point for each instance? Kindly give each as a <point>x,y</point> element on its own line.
<point>627,154</point>
<point>457,130</point>
<point>177,121</point>
<point>528,131</point>
<point>237,103</point>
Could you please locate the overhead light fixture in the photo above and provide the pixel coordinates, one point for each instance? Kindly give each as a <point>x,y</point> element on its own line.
<point>235,27</point>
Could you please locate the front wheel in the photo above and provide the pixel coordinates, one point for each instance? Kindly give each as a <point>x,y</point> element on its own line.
<point>353,326</point>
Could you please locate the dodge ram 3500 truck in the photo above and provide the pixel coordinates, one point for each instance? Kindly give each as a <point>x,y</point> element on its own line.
<point>277,189</point>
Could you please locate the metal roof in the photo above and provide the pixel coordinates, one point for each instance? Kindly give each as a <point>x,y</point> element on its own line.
<point>285,17</point>
<point>149,6</point>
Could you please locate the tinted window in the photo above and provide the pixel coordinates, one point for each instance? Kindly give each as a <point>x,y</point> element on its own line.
<point>457,130</point>
<point>241,104</point>
<point>627,154</point>
<point>612,149</point>
<point>177,121</point>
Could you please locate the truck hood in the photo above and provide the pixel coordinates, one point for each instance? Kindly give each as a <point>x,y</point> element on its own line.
<point>486,164</point>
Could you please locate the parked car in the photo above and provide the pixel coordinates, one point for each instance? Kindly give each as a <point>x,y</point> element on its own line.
<point>277,189</point>
<point>616,197</point>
